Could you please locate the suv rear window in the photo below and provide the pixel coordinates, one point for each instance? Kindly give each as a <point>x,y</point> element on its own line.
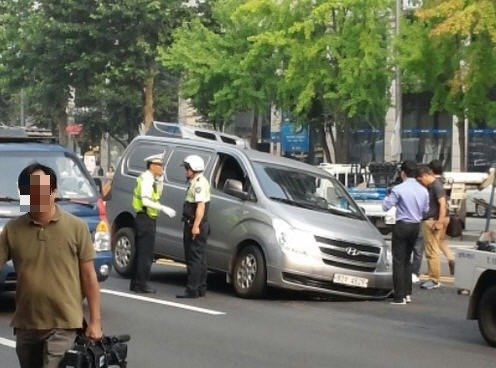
<point>72,180</point>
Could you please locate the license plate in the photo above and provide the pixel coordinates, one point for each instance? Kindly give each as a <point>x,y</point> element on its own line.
<point>340,278</point>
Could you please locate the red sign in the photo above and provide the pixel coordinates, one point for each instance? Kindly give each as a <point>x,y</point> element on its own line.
<point>74,129</point>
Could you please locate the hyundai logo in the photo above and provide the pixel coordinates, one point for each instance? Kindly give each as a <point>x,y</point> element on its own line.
<point>352,251</point>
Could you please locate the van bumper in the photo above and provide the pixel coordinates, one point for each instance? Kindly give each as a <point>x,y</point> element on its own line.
<point>103,264</point>
<point>321,279</point>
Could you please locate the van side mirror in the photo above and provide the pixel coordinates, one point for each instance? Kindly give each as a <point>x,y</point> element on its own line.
<point>235,188</point>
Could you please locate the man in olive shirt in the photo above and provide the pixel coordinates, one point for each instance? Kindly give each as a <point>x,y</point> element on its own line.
<point>53,256</point>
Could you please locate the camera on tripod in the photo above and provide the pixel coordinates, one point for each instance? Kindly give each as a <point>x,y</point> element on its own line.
<point>111,351</point>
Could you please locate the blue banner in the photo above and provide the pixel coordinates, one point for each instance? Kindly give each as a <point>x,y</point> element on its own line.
<point>294,138</point>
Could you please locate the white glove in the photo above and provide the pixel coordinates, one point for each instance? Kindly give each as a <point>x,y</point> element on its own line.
<point>168,211</point>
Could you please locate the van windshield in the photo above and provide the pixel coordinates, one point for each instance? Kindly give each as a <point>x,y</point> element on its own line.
<point>72,181</point>
<point>305,189</point>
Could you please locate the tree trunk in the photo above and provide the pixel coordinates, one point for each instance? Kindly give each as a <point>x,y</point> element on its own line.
<point>325,143</point>
<point>461,141</point>
<point>61,122</point>
<point>254,130</point>
<point>148,102</point>
<point>341,146</point>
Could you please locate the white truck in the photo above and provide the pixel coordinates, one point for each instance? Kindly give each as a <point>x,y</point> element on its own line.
<point>475,274</point>
<point>368,186</point>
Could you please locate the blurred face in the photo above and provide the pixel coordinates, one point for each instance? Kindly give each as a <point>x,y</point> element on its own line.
<point>188,172</point>
<point>424,179</point>
<point>157,169</point>
<point>41,198</point>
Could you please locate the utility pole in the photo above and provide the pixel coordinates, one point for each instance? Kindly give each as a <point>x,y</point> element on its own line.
<point>397,89</point>
<point>71,104</point>
<point>22,118</point>
<point>393,123</point>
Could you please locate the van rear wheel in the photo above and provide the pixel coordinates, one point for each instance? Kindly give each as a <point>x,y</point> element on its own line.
<point>124,251</point>
<point>250,274</point>
<point>487,315</point>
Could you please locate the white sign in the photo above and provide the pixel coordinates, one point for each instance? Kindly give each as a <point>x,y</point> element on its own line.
<point>90,162</point>
<point>411,4</point>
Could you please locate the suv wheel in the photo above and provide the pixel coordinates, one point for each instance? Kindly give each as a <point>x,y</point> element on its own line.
<point>487,315</point>
<point>124,251</point>
<point>250,274</point>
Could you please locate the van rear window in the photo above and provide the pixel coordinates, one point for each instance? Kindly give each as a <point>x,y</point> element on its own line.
<point>136,160</point>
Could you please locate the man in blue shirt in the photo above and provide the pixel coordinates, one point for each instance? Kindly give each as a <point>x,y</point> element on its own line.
<point>412,203</point>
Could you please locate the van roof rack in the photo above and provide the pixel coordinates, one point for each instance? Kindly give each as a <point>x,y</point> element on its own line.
<point>25,133</point>
<point>167,129</point>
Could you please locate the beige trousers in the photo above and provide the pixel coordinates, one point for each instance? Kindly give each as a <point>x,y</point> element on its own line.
<point>443,245</point>
<point>432,243</point>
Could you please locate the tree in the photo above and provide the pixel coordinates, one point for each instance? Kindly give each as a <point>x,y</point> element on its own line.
<point>309,58</point>
<point>334,62</point>
<point>130,52</point>
<point>49,46</point>
<point>217,73</point>
<point>37,53</point>
<point>448,49</point>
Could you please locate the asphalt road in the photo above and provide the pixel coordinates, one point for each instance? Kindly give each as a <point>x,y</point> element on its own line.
<point>284,330</point>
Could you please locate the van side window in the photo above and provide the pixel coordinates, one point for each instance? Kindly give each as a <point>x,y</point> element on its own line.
<point>174,169</point>
<point>136,160</point>
<point>228,168</point>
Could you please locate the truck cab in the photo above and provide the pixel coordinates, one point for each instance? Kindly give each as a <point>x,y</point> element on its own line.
<point>475,275</point>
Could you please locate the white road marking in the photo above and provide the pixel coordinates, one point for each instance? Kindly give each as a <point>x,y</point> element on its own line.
<point>7,342</point>
<point>162,302</point>
<point>12,343</point>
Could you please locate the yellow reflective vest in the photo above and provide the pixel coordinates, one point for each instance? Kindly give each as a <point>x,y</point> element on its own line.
<point>137,202</point>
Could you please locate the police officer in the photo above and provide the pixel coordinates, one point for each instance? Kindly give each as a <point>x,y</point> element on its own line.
<point>146,203</point>
<point>196,228</point>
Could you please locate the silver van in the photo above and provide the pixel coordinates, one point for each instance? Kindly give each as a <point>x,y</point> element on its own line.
<point>274,221</point>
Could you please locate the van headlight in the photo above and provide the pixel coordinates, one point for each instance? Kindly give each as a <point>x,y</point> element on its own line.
<point>388,256</point>
<point>293,240</point>
<point>101,238</point>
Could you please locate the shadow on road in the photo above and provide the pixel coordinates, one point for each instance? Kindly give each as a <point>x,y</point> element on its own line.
<point>176,276</point>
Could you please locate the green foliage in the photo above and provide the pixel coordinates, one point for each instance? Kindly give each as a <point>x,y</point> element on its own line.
<point>292,54</point>
<point>105,49</point>
<point>448,48</point>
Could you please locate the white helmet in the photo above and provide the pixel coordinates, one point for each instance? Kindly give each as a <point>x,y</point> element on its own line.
<point>195,162</point>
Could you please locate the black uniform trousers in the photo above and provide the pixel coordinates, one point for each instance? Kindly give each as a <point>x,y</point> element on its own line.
<point>404,236</point>
<point>145,242</point>
<point>195,254</point>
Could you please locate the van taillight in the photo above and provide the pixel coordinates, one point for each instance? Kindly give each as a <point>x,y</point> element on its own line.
<point>102,210</point>
<point>102,213</point>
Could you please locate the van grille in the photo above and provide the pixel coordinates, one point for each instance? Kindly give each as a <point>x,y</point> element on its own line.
<point>352,256</point>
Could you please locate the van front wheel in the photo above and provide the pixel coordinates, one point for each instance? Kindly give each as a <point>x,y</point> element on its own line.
<point>124,251</point>
<point>487,315</point>
<point>250,274</point>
